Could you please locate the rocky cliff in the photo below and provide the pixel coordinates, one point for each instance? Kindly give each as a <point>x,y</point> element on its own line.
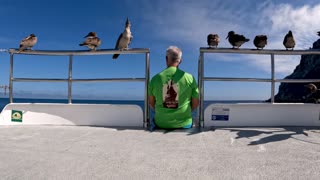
<point>309,68</point>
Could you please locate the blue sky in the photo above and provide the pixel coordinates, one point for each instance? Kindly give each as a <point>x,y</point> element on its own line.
<point>62,24</point>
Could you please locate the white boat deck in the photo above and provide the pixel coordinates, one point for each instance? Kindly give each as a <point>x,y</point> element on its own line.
<point>62,141</point>
<point>83,152</point>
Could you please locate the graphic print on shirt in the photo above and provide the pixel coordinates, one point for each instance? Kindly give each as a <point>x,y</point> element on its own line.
<point>170,95</point>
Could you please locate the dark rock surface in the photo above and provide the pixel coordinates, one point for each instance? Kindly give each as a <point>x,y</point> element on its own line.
<point>308,68</point>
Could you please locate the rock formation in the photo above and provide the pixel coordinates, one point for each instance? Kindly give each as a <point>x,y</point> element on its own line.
<point>309,68</point>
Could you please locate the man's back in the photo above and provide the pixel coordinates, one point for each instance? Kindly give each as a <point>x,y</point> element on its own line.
<point>173,90</point>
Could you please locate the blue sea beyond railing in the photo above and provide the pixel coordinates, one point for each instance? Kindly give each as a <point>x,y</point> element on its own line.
<point>5,101</point>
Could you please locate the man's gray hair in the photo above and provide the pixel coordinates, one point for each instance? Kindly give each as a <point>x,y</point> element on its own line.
<point>174,54</point>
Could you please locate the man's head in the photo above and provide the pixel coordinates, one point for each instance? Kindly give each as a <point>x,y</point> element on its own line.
<point>173,56</point>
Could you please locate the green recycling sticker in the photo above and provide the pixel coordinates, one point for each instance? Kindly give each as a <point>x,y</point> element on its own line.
<point>16,116</point>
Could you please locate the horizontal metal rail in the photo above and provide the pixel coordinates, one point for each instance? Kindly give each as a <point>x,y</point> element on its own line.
<point>70,80</point>
<point>297,80</point>
<point>235,79</point>
<point>262,51</point>
<point>110,80</point>
<point>260,80</point>
<point>272,80</point>
<point>80,52</point>
<point>38,80</point>
<point>79,80</point>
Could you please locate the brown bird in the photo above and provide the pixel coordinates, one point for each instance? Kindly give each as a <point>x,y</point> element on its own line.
<point>213,40</point>
<point>236,40</point>
<point>28,42</point>
<point>289,41</point>
<point>260,41</point>
<point>124,39</point>
<point>92,41</point>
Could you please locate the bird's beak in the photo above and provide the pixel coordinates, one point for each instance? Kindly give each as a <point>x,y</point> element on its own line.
<point>128,22</point>
<point>227,37</point>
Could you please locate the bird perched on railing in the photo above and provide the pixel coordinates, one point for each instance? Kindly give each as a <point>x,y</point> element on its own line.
<point>213,40</point>
<point>236,40</point>
<point>260,41</point>
<point>28,42</point>
<point>92,41</point>
<point>124,39</point>
<point>289,41</point>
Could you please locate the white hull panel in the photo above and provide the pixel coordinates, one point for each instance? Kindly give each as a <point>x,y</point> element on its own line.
<point>74,114</point>
<point>241,115</point>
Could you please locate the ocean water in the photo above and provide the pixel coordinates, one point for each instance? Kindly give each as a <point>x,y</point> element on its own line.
<point>5,101</point>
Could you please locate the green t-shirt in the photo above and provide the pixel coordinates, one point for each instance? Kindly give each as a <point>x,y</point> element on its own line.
<point>173,90</point>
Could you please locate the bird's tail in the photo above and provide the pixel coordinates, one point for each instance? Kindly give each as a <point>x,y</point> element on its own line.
<point>115,56</point>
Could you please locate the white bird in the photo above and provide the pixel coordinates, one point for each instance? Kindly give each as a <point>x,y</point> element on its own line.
<point>124,39</point>
<point>28,42</point>
<point>92,41</point>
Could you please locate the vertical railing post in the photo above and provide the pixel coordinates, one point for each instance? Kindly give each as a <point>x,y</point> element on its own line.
<point>201,89</point>
<point>146,117</point>
<point>70,80</point>
<point>11,79</point>
<point>272,78</point>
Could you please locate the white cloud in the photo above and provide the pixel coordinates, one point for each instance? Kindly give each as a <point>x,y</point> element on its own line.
<point>303,21</point>
<point>191,23</point>
<point>283,64</point>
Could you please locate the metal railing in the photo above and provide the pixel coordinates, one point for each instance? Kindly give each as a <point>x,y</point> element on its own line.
<point>70,80</point>
<point>272,80</point>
